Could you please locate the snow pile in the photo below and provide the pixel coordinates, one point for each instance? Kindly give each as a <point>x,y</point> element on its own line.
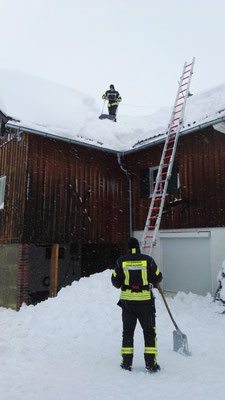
<point>36,101</point>
<point>48,107</point>
<point>220,293</point>
<point>69,348</point>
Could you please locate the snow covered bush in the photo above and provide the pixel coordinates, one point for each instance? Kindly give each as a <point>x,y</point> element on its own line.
<point>220,293</point>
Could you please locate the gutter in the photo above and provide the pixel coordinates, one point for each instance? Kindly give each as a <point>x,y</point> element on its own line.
<point>130,192</point>
<point>151,141</point>
<point>57,137</point>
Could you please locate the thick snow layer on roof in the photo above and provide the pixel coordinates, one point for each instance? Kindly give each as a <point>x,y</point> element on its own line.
<point>48,107</point>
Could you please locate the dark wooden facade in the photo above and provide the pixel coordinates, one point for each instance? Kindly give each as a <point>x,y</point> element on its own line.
<point>13,164</point>
<point>74,193</point>
<point>78,196</point>
<point>58,192</point>
<point>200,201</point>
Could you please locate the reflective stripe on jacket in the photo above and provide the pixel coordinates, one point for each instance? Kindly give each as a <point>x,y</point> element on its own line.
<point>132,294</point>
<point>133,274</point>
<point>113,97</point>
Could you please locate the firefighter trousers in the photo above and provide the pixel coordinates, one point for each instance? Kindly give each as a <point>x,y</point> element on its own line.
<point>112,109</point>
<point>144,312</point>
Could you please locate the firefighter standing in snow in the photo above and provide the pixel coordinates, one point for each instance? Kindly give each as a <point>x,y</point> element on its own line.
<point>113,98</point>
<point>133,274</point>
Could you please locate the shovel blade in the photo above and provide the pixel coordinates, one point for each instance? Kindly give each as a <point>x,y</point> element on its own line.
<point>107,116</point>
<point>180,343</point>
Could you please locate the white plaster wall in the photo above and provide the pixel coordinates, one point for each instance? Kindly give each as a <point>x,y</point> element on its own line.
<point>216,243</point>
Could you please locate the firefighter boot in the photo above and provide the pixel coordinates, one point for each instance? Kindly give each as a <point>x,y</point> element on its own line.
<point>151,364</point>
<point>127,361</point>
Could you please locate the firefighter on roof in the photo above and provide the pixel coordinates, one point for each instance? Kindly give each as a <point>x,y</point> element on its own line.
<point>133,274</point>
<point>113,98</point>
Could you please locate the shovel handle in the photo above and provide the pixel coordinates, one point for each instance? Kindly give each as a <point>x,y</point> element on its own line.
<point>103,106</point>
<point>165,302</point>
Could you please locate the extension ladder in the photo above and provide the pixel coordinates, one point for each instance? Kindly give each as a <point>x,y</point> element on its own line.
<point>151,229</point>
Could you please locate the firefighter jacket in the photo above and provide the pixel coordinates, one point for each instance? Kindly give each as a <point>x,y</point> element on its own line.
<point>113,97</point>
<point>133,274</point>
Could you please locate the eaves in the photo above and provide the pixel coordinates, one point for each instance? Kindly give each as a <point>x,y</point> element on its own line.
<point>148,142</point>
<point>161,138</point>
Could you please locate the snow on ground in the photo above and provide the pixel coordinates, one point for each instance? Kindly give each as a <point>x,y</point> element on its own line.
<point>48,107</point>
<point>68,348</point>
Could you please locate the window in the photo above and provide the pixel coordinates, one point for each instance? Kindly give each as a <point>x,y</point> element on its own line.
<point>144,183</point>
<point>2,191</point>
<point>152,178</point>
<point>148,179</point>
<point>174,183</point>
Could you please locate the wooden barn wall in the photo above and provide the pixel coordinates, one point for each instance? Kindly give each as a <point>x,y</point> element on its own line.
<point>13,164</point>
<point>74,193</point>
<point>200,201</point>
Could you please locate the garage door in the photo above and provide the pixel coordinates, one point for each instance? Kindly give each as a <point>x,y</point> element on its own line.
<point>186,263</point>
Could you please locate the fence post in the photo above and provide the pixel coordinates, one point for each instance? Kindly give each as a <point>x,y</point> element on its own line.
<point>54,270</point>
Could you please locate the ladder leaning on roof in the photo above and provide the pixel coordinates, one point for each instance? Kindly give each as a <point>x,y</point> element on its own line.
<point>153,220</point>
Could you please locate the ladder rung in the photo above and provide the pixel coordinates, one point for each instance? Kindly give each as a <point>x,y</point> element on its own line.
<point>153,217</point>
<point>147,247</point>
<point>187,71</point>
<point>170,148</point>
<point>165,165</point>
<point>176,112</point>
<point>151,227</point>
<point>186,77</point>
<point>183,91</point>
<point>162,181</point>
<point>149,237</point>
<point>180,104</point>
<point>174,126</point>
<point>163,173</point>
<point>180,98</point>
<point>156,208</point>
<point>172,133</point>
<point>171,141</point>
<point>184,84</point>
<point>158,198</point>
<point>167,157</point>
<point>188,65</point>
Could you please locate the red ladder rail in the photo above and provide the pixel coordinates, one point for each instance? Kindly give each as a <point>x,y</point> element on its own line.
<point>165,168</point>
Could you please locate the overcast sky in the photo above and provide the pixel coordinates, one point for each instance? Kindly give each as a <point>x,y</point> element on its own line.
<point>138,45</point>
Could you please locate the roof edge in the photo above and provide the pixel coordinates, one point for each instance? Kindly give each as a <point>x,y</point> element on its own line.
<point>151,141</point>
<point>57,137</point>
<point>161,139</point>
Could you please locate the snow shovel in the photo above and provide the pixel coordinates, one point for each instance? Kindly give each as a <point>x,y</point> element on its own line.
<point>107,116</point>
<point>103,116</point>
<point>180,343</point>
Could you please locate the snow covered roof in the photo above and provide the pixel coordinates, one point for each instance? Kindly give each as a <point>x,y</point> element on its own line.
<point>46,107</point>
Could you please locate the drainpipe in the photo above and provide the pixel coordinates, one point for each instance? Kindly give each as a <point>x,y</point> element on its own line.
<point>130,191</point>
